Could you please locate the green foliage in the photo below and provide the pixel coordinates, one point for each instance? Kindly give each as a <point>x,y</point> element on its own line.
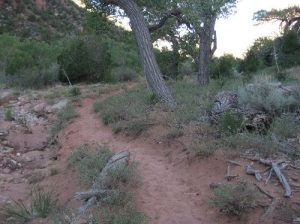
<point>289,55</point>
<point>17,213</point>
<point>122,177</point>
<point>259,55</point>
<point>223,67</point>
<point>8,116</point>
<point>231,123</point>
<point>285,126</point>
<point>129,216</point>
<point>266,97</point>
<point>63,118</point>
<point>29,64</point>
<point>74,91</point>
<point>124,74</point>
<point>262,144</point>
<point>85,58</point>
<point>234,199</point>
<point>202,148</point>
<point>134,127</point>
<point>42,202</point>
<point>89,161</point>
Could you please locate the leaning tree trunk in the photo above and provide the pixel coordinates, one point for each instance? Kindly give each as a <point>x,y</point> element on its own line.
<point>152,72</point>
<point>205,51</point>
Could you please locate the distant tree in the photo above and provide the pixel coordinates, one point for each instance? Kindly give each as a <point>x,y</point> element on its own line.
<point>202,16</point>
<point>289,18</point>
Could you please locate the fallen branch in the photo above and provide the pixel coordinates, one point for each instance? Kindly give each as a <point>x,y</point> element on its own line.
<point>97,189</point>
<point>234,162</point>
<point>282,180</point>
<point>228,176</point>
<point>251,171</point>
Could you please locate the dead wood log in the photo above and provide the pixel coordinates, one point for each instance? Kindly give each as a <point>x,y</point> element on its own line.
<point>229,176</point>
<point>251,171</point>
<point>98,188</point>
<point>282,179</point>
<point>234,163</point>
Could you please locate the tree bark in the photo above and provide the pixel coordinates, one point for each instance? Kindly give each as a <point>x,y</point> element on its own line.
<point>206,34</point>
<point>151,69</point>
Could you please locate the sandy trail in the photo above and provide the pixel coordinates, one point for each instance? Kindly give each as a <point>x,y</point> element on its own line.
<point>170,193</point>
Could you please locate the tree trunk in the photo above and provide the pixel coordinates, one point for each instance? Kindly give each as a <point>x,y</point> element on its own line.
<point>205,51</point>
<point>151,69</point>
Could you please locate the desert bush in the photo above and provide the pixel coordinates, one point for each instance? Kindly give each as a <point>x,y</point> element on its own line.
<point>28,64</point>
<point>230,122</point>
<point>43,202</point>
<point>124,74</point>
<point>266,97</point>
<point>16,213</point>
<point>242,142</point>
<point>133,127</point>
<point>89,161</point>
<point>8,116</point>
<point>202,148</point>
<point>74,91</point>
<point>84,58</point>
<point>187,68</point>
<point>121,177</point>
<point>63,118</point>
<point>285,126</point>
<point>234,199</point>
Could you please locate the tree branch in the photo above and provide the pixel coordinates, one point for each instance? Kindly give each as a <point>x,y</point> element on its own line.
<point>173,13</point>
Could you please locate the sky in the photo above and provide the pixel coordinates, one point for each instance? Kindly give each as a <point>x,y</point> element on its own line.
<point>237,33</point>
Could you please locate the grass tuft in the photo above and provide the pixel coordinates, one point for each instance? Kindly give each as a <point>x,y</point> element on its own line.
<point>234,199</point>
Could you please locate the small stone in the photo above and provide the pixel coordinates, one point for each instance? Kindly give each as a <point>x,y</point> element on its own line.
<point>18,154</point>
<point>4,200</point>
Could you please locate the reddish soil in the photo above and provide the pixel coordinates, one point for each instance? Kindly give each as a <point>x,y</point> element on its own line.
<point>172,191</point>
<point>175,188</point>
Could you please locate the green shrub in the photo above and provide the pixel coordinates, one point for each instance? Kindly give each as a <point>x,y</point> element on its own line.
<point>234,199</point>
<point>124,74</point>
<point>223,67</point>
<point>28,63</point>
<point>63,118</point>
<point>74,91</point>
<point>8,116</point>
<point>242,142</point>
<point>85,59</point>
<point>290,50</point>
<point>230,123</point>
<point>17,213</point>
<point>203,148</point>
<point>285,126</point>
<point>128,216</point>
<point>266,97</point>
<point>89,161</point>
<point>123,176</point>
<point>43,202</point>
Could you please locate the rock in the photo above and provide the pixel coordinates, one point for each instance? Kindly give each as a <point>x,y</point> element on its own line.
<point>60,105</point>
<point>297,163</point>
<point>11,164</point>
<point>4,200</point>
<point>6,150</point>
<point>6,96</point>
<point>39,108</point>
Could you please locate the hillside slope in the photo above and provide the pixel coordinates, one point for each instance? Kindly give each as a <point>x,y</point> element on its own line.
<point>40,19</point>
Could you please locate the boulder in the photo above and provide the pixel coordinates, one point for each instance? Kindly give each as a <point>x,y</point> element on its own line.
<point>60,105</point>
